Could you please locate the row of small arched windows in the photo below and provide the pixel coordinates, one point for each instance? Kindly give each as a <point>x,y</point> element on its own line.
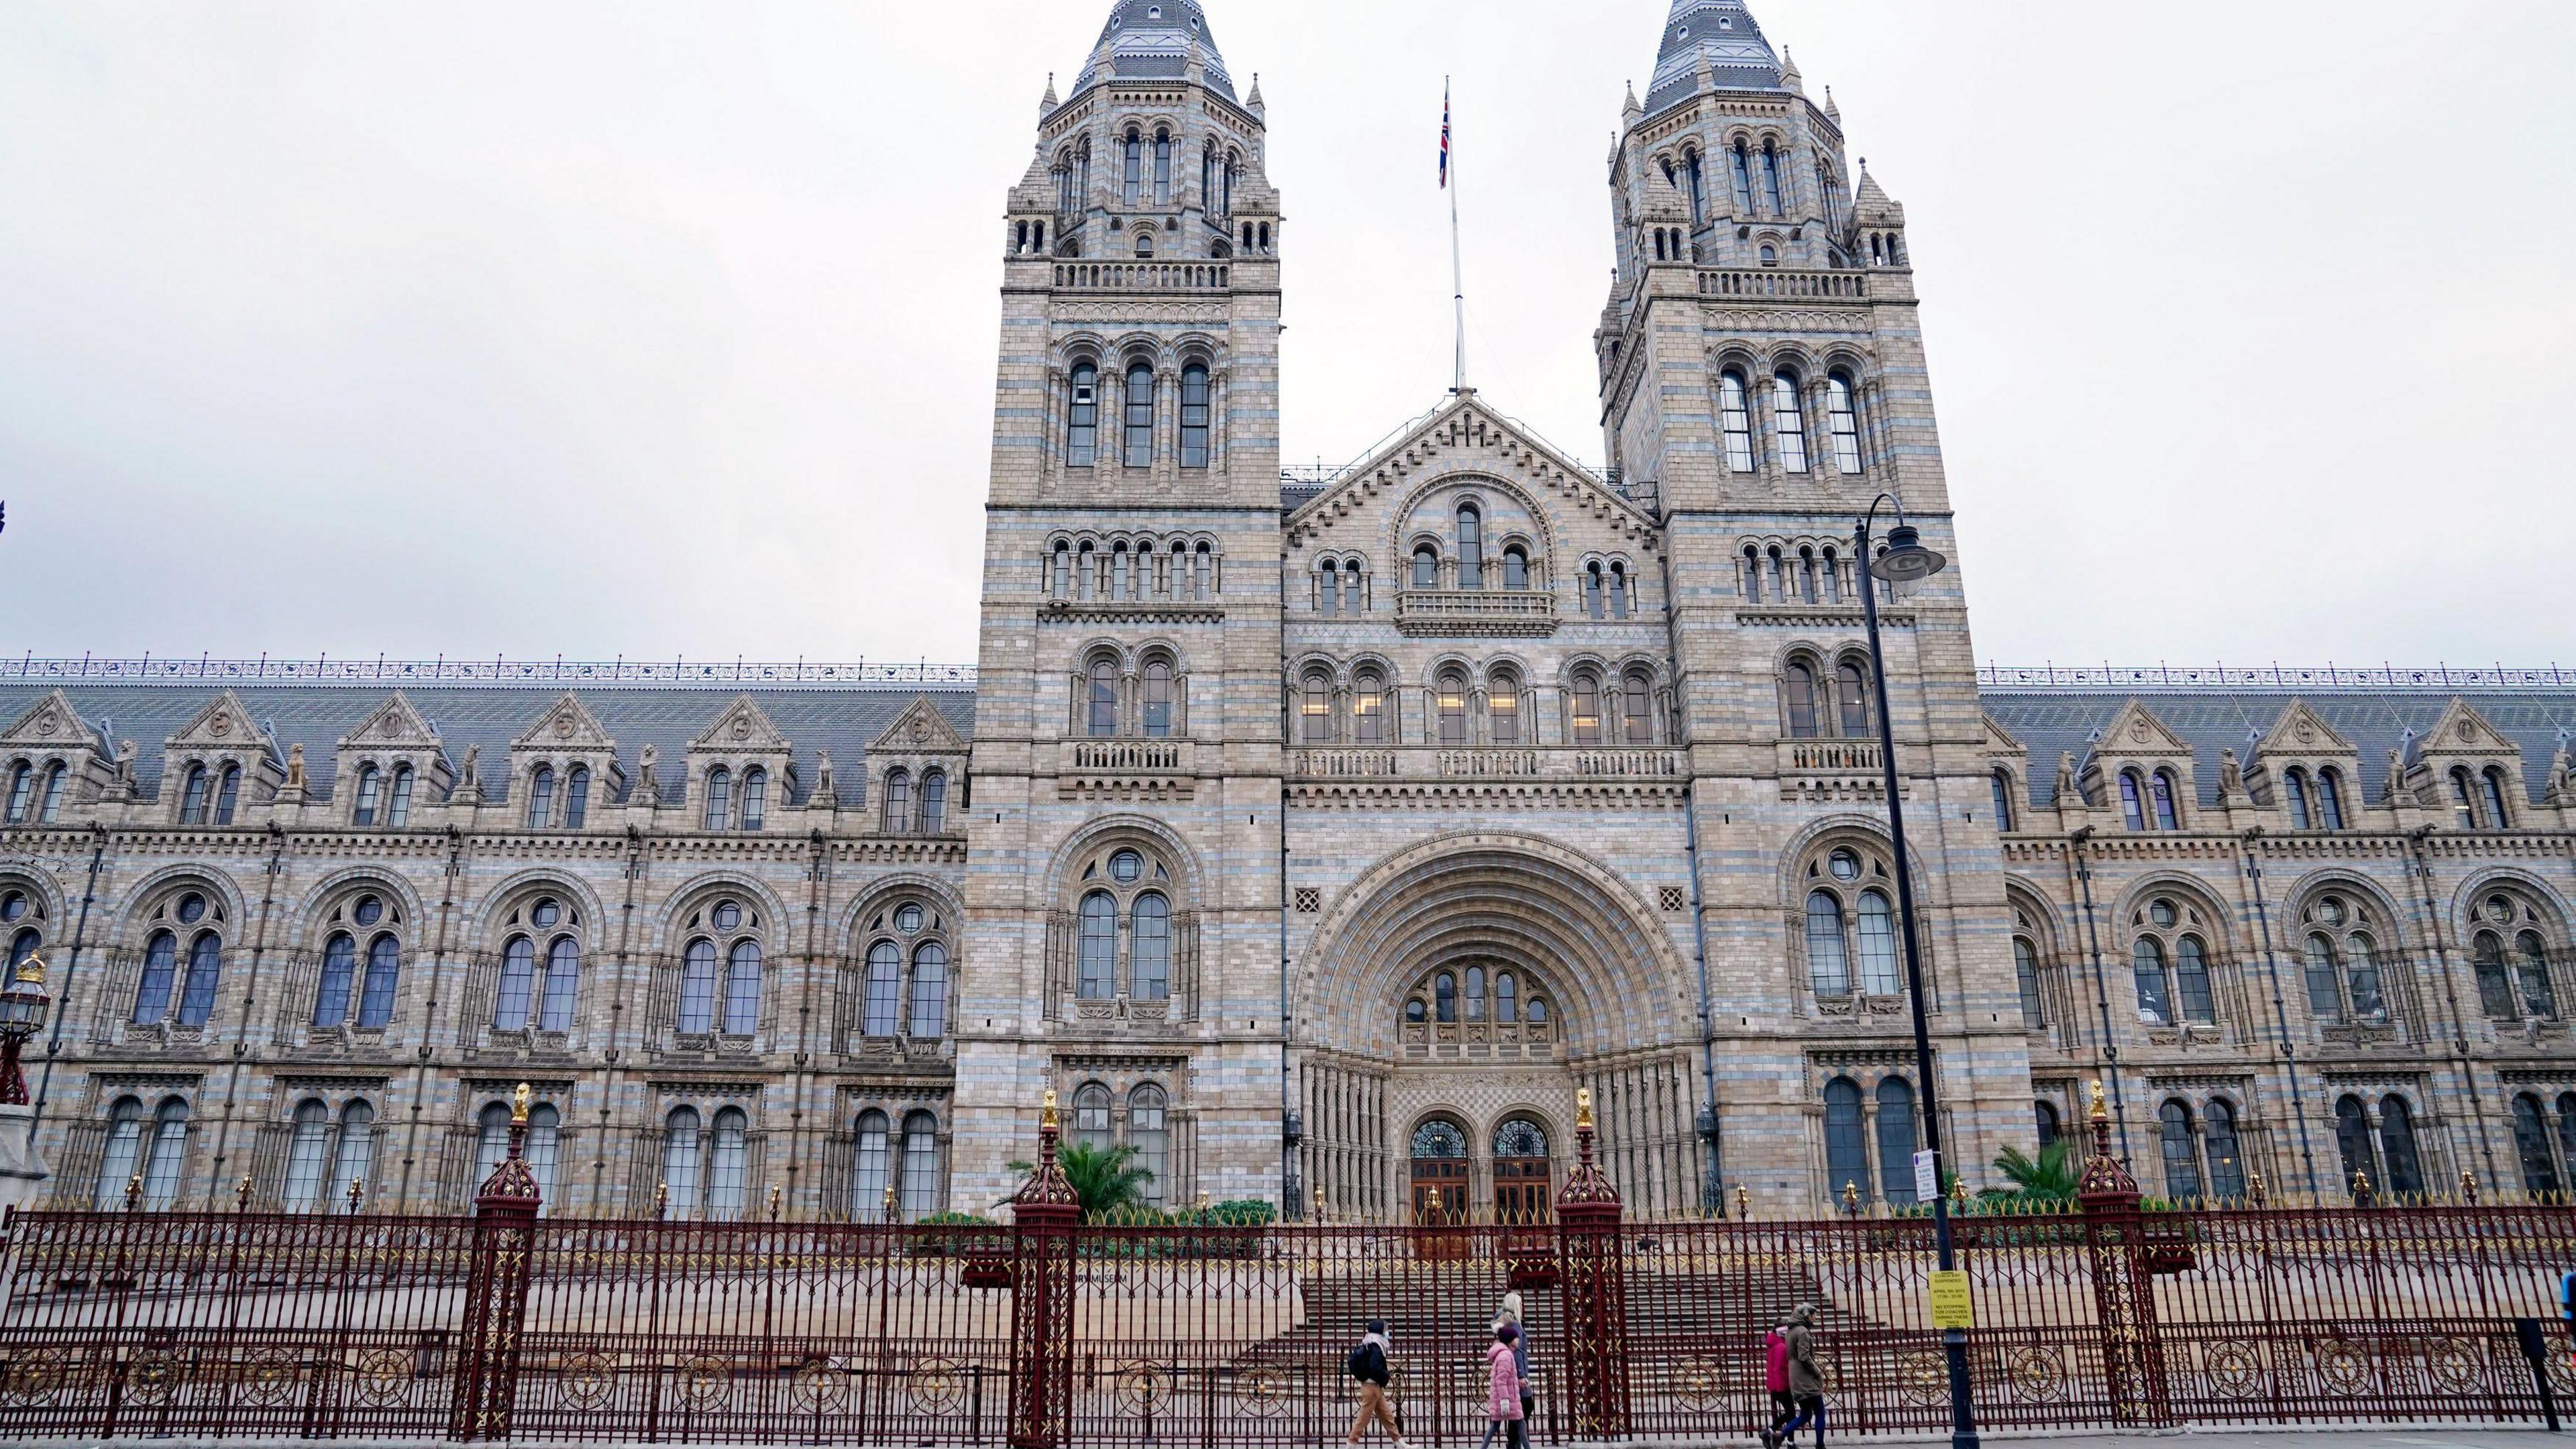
<point>1185,571</point>
<point>1758,180</point>
<point>1805,574</point>
<point>1146,173</point>
<point>1134,423</point>
<point>1605,709</point>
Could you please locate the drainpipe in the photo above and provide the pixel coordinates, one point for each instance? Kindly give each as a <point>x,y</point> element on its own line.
<point>80,932</point>
<point>2280,1008</point>
<point>1713,1187</point>
<point>2082,837</point>
<point>2423,866</point>
<point>1292,1128</point>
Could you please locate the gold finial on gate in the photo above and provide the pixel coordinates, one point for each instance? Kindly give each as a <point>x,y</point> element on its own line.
<point>1583,1109</point>
<point>519,1105</point>
<point>775,1198</point>
<point>2469,1188</point>
<point>1048,1121</point>
<point>357,1195</point>
<point>661,1201</point>
<point>1203,1202</point>
<point>1319,1204</point>
<point>1958,1190</point>
<point>2256,1191</point>
<point>1743,1202</point>
<point>889,1202</point>
<point>241,1194</point>
<point>134,1192</point>
<point>2360,1187</point>
<point>1851,1198</point>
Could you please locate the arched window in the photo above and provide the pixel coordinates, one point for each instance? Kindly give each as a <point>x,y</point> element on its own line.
<point>1846,1141</point>
<point>122,1159</point>
<point>1444,998</point>
<point>1368,708</point>
<point>1735,414</point>
<point>1162,168</point>
<point>2003,793</point>
<point>1082,417</point>
<point>929,992</point>
<point>727,1168</point>
<point>2226,1154</point>
<point>1148,1133</point>
<point>1789,419</point>
<point>545,1147</point>
<point>2182,1154</point>
<point>1516,574</point>
<point>1149,963</point>
<point>160,973</point>
<point>518,985</point>
<point>1140,401</point>
<point>541,797</point>
<point>1503,708</point>
<point>2162,785</point>
<point>192,800</point>
<point>1091,1115</point>
<point>339,977</point>
<point>1698,188</point>
<point>742,989</point>
<point>2034,1007</point>
<point>1194,415</point>
<point>1592,592</point>
<point>228,794</point>
<point>920,1191</point>
<point>357,1158</point>
<point>755,798</point>
<point>50,810</point>
<point>1328,594</point>
<point>1827,963</point>
<point>1587,708</point>
<point>2493,785</point>
<point>1743,177</point>
<point>1476,993</point>
<point>563,982</point>
<point>1896,1140</point>
<point>308,1156</point>
<point>371,787</point>
<point>1426,567</point>
<point>2330,799</point>
<point>1639,698</point>
<point>1800,681</point>
<point>167,1162</point>
<point>491,1146</point>
<point>2531,1145</point>
<point>2495,983</point>
<point>197,991</point>
<point>1851,697</point>
<point>2045,1115</point>
<point>1132,181</point>
<point>2353,1144</point>
<point>719,811</point>
<point>934,802</point>
<point>2464,800</point>
<point>1844,417</point>
<point>376,997</point>
<point>2191,982</point>
<point>2294,792</point>
<point>1315,709</point>
<point>1102,718</point>
<point>1098,979</point>
<point>870,1169</point>
<point>1471,548</point>
<point>1771,193</point>
<point>1158,699</point>
<point>2397,1149</point>
<point>22,791</point>
<point>1878,971</point>
<point>2539,995</point>
<point>398,807</point>
<point>1453,707</point>
<point>2342,963</point>
<point>897,807</point>
<point>1507,998</point>
<point>2133,806</point>
<point>884,988</point>
<point>680,1157</point>
<point>1619,590</point>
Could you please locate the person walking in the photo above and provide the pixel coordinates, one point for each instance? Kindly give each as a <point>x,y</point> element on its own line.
<point>1775,1380</point>
<point>1503,1390</point>
<point>1511,1314</point>
<point>1370,1370</point>
<point>1806,1381</point>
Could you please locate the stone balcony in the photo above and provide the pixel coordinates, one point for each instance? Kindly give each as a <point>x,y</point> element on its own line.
<point>1432,762</point>
<point>1475,613</point>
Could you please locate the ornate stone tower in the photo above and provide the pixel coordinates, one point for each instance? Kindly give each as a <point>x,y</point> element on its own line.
<point>1762,369</point>
<point>1124,886</point>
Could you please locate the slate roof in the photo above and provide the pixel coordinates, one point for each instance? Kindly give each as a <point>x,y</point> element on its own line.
<point>2052,723</point>
<point>841,721</point>
<point>1725,32</point>
<point>1154,40</point>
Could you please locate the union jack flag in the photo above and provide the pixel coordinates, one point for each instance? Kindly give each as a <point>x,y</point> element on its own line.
<point>1444,137</point>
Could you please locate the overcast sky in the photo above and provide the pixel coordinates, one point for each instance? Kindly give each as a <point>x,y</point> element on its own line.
<point>649,328</point>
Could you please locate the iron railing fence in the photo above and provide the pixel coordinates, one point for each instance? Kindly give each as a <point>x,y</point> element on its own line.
<point>1234,1336</point>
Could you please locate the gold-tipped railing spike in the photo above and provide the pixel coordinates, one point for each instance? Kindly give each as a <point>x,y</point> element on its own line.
<point>776,1200</point>
<point>661,1201</point>
<point>357,1195</point>
<point>1851,1199</point>
<point>889,1195</point>
<point>2360,1187</point>
<point>2469,1188</point>
<point>2255,1192</point>
<point>1743,1203</point>
<point>241,1194</point>
<point>1319,1205</point>
<point>134,1192</point>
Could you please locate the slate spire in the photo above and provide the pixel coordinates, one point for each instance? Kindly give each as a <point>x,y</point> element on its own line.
<point>1156,40</point>
<point>1723,35</point>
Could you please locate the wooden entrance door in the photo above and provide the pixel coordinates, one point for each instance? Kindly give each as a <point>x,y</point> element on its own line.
<point>1522,1179</point>
<point>1439,1175</point>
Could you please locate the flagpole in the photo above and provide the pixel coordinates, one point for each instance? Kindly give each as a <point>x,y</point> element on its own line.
<point>1457,269</point>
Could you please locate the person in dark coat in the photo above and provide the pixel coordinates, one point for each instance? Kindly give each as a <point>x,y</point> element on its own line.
<point>1371,1372</point>
<point>1806,1381</point>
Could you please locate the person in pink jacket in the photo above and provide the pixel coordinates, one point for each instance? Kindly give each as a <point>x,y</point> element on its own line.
<point>1503,1389</point>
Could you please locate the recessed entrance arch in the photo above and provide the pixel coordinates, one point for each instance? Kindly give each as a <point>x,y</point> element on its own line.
<point>1522,1172</point>
<point>1440,1173</point>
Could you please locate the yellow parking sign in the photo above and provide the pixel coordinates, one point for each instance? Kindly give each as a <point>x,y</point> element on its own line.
<point>1950,1305</point>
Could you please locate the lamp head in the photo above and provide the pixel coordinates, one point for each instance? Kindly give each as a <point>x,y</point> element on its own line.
<point>1907,560</point>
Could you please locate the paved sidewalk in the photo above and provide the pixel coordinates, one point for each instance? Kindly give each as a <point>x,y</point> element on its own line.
<point>2262,1439</point>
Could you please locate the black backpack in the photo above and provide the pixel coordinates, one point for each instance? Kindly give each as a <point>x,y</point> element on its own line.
<point>1360,1366</point>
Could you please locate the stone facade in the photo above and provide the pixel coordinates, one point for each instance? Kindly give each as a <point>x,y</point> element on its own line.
<point>1321,837</point>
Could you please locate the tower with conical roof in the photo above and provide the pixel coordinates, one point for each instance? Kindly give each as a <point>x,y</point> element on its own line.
<point>1128,733</point>
<point>1762,374</point>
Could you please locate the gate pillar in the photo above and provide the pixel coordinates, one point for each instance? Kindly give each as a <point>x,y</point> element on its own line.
<point>2124,1291</point>
<point>1589,1240</point>
<point>1044,1214</point>
<point>496,1291</point>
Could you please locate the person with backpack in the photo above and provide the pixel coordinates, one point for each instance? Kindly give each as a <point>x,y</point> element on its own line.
<point>1503,1391</point>
<point>1368,1369</point>
<point>1806,1381</point>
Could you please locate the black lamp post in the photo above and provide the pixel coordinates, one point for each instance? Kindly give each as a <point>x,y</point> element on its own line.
<point>1906,561</point>
<point>23,1005</point>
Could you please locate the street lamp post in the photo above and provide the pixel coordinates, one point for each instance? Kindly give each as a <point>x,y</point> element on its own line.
<point>23,1005</point>
<point>1906,561</point>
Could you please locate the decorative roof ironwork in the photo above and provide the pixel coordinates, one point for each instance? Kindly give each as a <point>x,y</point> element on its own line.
<point>621,673</point>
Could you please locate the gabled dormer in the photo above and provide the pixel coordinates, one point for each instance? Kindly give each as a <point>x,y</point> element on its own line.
<point>52,761</point>
<point>2008,773</point>
<point>387,766</point>
<point>218,765</point>
<point>2142,771</point>
<point>564,770</point>
<point>2471,771</point>
<point>2307,772</point>
<point>741,771</point>
<point>917,771</point>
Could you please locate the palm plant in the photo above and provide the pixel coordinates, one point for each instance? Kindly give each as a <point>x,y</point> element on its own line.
<point>2053,1176</point>
<point>1104,1179</point>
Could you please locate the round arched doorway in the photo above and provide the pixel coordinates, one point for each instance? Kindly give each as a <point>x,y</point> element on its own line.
<point>1440,1174</point>
<point>1521,1174</point>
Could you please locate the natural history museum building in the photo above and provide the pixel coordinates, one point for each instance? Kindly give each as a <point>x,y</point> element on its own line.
<point>1320,837</point>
